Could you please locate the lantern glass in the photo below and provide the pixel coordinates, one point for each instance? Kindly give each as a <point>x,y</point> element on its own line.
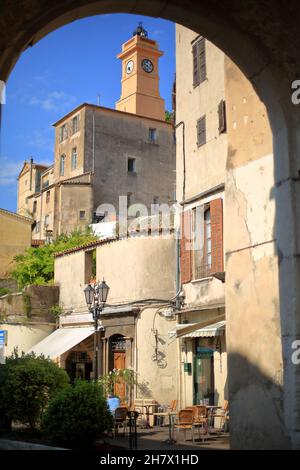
<point>89,293</point>
<point>102,291</point>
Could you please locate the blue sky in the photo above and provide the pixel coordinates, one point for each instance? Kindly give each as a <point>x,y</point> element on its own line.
<point>66,68</point>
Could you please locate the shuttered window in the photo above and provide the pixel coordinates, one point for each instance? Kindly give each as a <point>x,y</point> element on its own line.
<point>199,62</point>
<point>222,116</point>
<point>207,253</point>
<point>185,248</point>
<point>201,131</point>
<point>216,215</point>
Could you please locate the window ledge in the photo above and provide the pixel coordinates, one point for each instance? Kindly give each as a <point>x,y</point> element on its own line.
<point>203,279</point>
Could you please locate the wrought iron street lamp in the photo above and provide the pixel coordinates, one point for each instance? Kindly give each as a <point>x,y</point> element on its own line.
<point>95,297</point>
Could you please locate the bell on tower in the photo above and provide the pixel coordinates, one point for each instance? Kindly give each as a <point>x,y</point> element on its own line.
<point>140,31</point>
<point>140,79</point>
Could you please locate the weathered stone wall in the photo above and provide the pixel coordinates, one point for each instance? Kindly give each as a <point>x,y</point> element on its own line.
<point>253,333</point>
<point>119,136</point>
<point>32,304</point>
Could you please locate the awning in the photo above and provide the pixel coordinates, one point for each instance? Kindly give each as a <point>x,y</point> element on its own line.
<point>60,341</point>
<point>205,329</point>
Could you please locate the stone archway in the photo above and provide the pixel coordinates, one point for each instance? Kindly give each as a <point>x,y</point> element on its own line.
<point>262,39</point>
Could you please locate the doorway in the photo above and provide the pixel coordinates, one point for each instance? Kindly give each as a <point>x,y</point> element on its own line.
<point>203,375</point>
<point>118,361</point>
<point>79,365</point>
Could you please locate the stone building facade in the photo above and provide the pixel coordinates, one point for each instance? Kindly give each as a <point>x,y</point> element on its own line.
<point>101,154</point>
<point>138,316</point>
<point>228,176</point>
<point>15,237</point>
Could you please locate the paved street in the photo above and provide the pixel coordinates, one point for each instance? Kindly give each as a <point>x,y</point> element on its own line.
<point>153,439</point>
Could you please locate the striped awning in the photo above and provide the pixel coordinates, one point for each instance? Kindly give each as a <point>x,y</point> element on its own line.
<point>205,329</point>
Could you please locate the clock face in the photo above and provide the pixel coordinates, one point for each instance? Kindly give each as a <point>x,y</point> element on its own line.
<point>129,66</point>
<point>147,65</point>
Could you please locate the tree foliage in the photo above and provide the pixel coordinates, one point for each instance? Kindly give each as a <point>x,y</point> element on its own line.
<point>36,265</point>
<point>27,384</point>
<point>77,415</point>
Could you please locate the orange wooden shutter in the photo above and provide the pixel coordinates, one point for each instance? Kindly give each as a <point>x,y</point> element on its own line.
<point>216,215</point>
<point>185,251</point>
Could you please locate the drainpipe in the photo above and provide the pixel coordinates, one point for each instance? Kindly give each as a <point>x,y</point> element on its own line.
<point>177,254</point>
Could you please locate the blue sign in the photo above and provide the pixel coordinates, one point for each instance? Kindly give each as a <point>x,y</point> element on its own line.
<point>3,337</point>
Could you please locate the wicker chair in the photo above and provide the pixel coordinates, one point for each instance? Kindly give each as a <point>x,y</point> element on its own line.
<point>223,414</point>
<point>201,420</point>
<point>185,421</point>
<point>120,419</point>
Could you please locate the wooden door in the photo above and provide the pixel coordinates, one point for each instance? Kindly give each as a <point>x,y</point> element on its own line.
<point>119,363</point>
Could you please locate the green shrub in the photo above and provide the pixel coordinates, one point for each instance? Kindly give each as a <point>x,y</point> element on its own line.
<point>4,291</point>
<point>77,415</point>
<point>27,384</point>
<point>36,265</point>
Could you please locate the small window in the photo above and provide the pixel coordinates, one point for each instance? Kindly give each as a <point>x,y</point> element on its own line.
<point>199,62</point>
<point>74,158</point>
<point>34,206</point>
<point>62,165</point>
<point>131,165</point>
<point>222,116</point>
<point>37,227</point>
<point>152,135</point>
<point>47,218</point>
<point>156,200</point>
<point>47,197</point>
<point>63,133</point>
<point>201,131</point>
<point>81,215</point>
<point>26,200</point>
<point>75,124</point>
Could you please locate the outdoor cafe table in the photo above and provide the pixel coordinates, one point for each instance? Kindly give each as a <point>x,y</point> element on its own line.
<point>147,412</point>
<point>170,415</point>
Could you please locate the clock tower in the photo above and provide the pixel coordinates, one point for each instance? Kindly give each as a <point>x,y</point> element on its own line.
<point>140,80</point>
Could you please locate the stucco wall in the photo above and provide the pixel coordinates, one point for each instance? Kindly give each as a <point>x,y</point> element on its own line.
<point>71,200</point>
<point>69,275</point>
<point>252,297</point>
<point>15,237</point>
<point>138,268</point>
<point>119,136</point>
<point>205,165</point>
<point>24,337</point>
<point>157,378</point>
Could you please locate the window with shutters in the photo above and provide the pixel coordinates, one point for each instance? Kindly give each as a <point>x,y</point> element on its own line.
<point>201,243</point>
<point>222,116</point>
<point>207,255</point>
<point>201,131</point>
<point>199,62</point>
<point>185,248</point>
<point>202,255</point>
